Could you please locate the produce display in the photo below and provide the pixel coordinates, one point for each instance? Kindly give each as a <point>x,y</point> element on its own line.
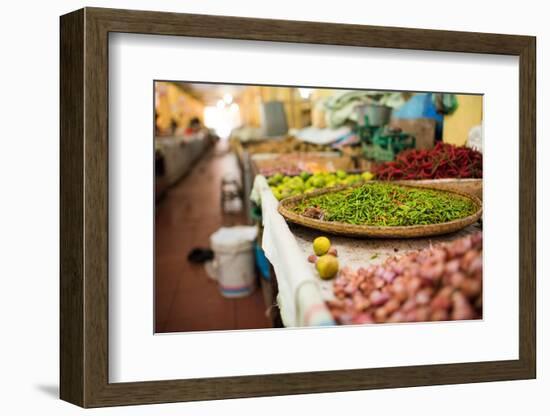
<point>439,283</point>
<point>385,204</point>
<point>442,161</point>
<point>284,169</point>
<point>287,145</point>
<point>284,186</point>
<point>293,164</point>
<point>435,284</point>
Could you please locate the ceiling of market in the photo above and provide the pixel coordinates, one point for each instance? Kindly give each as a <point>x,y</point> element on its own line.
<point>210,93</point>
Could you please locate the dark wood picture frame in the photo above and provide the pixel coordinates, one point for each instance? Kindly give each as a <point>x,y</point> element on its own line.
<point>84,207</point>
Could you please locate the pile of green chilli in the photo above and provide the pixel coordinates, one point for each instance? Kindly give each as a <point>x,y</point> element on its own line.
<point>378,204</point>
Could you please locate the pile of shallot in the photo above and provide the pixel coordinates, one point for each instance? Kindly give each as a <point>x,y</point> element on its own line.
<point>439,283</point>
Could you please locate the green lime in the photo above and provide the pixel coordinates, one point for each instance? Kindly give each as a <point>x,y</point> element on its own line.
<point>305,175</point>
<point>319,182</point>
<point>341,174</point>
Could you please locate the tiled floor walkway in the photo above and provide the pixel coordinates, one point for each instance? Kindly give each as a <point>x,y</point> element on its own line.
<point>186,299</point>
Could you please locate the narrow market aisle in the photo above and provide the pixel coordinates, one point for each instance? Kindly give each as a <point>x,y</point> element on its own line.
<point>186,299</point>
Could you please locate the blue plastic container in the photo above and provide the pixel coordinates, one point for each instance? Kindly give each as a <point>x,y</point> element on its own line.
<point>262,262</point>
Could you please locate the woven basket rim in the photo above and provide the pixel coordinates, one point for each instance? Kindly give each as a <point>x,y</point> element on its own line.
<point>400,231</point>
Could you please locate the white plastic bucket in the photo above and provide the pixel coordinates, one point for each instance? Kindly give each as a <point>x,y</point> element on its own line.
<point>233,264</point>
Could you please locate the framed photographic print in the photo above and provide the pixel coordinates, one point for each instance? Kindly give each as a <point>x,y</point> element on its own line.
<point>255,207</point>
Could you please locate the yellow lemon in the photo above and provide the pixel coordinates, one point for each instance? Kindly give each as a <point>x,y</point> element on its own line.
<point>321,245</point>
<point>327,266</point>
<point>367,176</point>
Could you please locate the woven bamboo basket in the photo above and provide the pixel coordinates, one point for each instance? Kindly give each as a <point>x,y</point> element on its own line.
<point>353,230</point>
<point>469,186</point>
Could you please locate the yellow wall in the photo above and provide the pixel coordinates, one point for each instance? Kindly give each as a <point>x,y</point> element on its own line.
<point>175,104</point>
<point>469,113</point>
<point>297,110</point>
<point>249,105</point>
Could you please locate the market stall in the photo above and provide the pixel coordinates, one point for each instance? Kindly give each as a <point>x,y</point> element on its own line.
<point>356,251</point>
<point>288,247</point>
<point>177,156</point>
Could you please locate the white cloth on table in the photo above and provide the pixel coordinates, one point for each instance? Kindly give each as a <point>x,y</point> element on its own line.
<point>322,136</point>
<point>299,297</point>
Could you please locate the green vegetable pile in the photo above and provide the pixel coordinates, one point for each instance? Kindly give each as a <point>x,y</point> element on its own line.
<point>284,186</point>
<point>378,204</point>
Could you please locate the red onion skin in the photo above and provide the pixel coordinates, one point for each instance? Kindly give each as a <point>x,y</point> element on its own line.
<point>436,284</point>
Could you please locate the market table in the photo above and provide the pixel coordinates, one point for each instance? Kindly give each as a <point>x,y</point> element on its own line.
<point>302,294</point>
<point>178,156</point>
<point>355,253</point>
